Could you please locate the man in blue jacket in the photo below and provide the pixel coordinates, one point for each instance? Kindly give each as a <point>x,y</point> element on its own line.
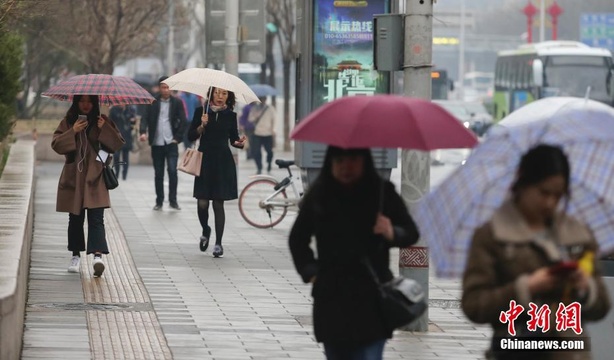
<point>164,125</point>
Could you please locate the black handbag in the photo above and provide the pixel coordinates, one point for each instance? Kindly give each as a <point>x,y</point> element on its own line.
<point>109,177</point>
<point>401,300</point>
<point>108,174</point>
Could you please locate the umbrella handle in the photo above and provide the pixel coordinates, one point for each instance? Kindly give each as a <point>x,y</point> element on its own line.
<point>208,99</point>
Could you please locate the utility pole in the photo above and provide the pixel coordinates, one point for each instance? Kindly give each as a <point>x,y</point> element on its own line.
<point>231,55</point>
<point>415,165</point>
<point>461,55</point>
<point>542,21</point>
<point>170,54</point>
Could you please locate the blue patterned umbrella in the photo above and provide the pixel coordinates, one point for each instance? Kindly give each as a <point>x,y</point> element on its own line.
<point>448,216</point>
<point>262,90</point>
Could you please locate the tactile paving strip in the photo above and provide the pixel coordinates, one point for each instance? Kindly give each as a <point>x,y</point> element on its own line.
<point>122,333</point>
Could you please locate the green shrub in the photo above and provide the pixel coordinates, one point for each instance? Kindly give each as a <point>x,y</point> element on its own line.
<point>10,71</point>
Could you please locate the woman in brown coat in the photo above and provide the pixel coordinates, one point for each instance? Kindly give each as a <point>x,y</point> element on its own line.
<point>524,254</point>
<point>81,185</point>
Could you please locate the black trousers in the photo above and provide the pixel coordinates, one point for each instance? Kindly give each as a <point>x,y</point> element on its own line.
<point>96,237</point>
<point>262,141</point>
<point>168,153</point>
<point>122,155</point>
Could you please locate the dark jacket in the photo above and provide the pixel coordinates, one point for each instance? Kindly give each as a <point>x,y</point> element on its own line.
<point>218,172</point>
<point>123,120</point>
<point>149,122</point>
<point>503,254</point>
<point>344,293</point>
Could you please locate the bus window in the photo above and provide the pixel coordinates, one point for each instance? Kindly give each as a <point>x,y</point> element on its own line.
<point>569,69</point>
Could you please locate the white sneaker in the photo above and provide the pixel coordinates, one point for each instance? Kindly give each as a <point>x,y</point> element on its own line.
<point>98,266</point>
<point>75,261</point>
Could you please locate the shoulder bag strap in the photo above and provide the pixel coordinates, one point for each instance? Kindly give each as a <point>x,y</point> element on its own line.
<point>261,114</point>
<point>371,270</point>
<point>93,148</point>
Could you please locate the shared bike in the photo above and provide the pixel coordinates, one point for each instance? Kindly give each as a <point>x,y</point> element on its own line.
<point>264,202</point>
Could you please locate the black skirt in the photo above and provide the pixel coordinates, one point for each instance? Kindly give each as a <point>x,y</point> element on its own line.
<point>218,171</point>
<point>218,175</point>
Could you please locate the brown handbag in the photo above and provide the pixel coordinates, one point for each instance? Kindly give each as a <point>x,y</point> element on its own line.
<point>190,162</point>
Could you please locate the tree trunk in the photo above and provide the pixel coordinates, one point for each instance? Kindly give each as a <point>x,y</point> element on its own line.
<point>286,70</point>
<point>270,60</point>
<point>263,68</point>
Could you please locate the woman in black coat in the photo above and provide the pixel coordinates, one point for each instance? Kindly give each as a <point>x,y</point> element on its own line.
<point>351,225</point>
<point>218,175</point>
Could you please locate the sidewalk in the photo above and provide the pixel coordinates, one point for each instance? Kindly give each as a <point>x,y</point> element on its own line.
<point>161,298</point>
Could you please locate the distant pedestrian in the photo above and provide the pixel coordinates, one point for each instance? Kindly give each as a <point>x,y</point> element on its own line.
<point>124,117</point>
<point>356,217</point>
<point>81,188</point>
<point>216,127</point>
<point>518,255</point>
<point>164,121</point>
<point>262,116</point>
<point>247,129</point>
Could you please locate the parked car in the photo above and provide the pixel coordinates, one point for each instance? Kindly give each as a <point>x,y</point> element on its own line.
<point>473,115</point>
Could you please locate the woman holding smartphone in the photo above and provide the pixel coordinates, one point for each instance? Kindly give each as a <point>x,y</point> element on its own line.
<point>530,253</point>
<point>79,137</point>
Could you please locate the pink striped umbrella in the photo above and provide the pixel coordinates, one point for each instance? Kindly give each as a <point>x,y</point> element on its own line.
<point>111,90</point>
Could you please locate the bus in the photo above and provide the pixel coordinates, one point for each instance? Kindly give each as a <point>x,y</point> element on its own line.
<point>441,85</point>
<point>551,68</point>
<point>478,85</point>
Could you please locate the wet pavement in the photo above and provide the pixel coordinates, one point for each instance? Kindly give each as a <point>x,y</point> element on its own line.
<point>161,298</point>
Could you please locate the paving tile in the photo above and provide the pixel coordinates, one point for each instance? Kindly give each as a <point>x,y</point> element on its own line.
<point>182,303</point>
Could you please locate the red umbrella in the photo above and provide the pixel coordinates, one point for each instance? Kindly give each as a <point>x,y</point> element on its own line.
<point>111,90</point>
<point>387,121</point>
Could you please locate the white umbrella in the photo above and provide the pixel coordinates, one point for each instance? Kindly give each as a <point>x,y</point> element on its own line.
<point>199,80</point>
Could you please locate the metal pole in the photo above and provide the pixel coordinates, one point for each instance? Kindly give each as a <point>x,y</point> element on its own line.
<point>542,21</point>
<point>415,165</point>
<point>461,57</point>
<point>231,55</point>
<point>170,55</point>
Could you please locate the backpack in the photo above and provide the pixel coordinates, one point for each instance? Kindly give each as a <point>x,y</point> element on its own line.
<point>248,126</point>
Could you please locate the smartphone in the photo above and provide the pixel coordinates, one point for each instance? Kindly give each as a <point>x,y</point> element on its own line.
<point>82,117</point>
<point>564,267</point>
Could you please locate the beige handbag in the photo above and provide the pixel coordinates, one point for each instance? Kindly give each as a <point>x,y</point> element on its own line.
<point>190,162</point>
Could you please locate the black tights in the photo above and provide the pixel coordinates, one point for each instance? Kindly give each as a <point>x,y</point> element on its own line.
<point>220,218</point>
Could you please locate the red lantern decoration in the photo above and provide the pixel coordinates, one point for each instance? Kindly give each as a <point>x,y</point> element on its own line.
<point>554,11</point>
<point>529,11</point>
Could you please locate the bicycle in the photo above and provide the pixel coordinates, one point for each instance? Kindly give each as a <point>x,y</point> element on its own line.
<point>264,202</point>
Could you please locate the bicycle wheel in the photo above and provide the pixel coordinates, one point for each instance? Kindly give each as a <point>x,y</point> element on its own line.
<point>254,211</point>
